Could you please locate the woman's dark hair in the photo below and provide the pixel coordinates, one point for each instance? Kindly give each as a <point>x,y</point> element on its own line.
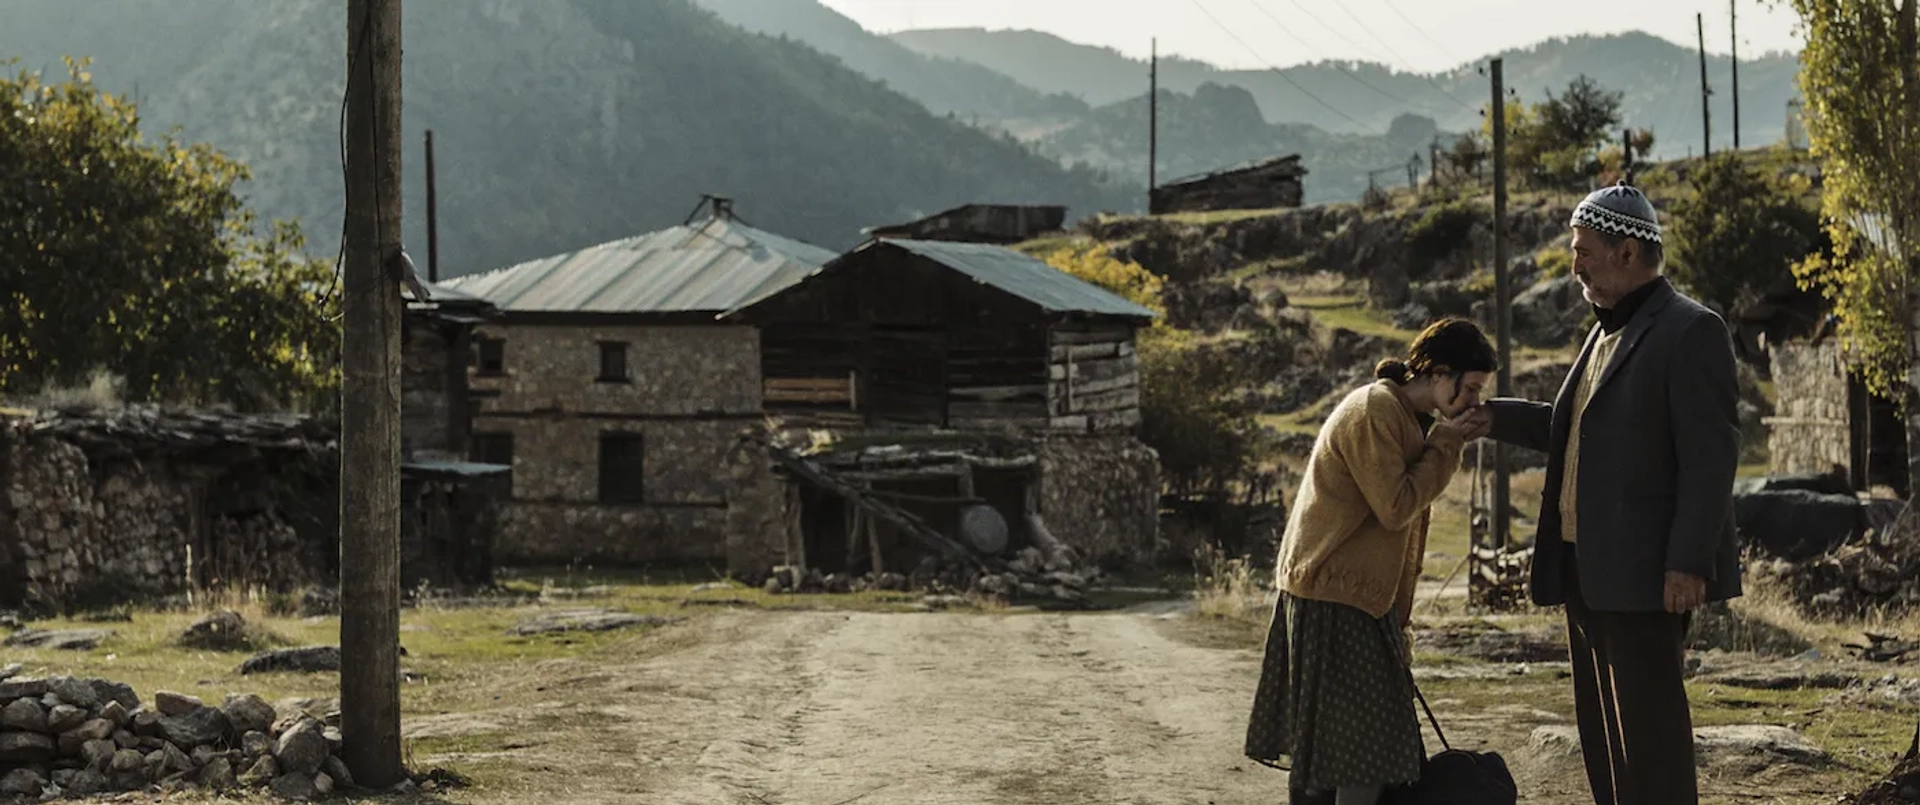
<point>1456,344</point>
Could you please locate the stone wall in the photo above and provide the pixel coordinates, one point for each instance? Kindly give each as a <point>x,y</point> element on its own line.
<point>90,524</point>
<point>691,389</point>
<point>1810,429</point>
<point>433,369</point>
<point>1101,496</point>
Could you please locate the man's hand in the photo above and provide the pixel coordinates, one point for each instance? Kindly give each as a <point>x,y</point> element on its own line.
<point>1685,592</point>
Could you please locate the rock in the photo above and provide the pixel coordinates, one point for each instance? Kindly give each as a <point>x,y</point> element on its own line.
<point>11,670</point>
<point>1554,743</point>
<point>203,754</point>
<point>98,754</point>
<point>248,713</point>
<point>307,659</point>
<point>337,769</point>
<point>585,620</point>
<point>1752,747</point>
<point>335,739</point>
<point>62,639</point>
<point>218,774</point>
<point>319,601</point>
<point>116,713</point>
<point>154,765</point>
<point>65,717</point>
<point>1797,524</point>
<point>203,726</point>
<point>1764,679</point>
<point>1412,316</point>
<point>175,759</point>
<point>224,630</point>
<point>25,747</point>
<point>294,786</point>
<point>302,748</point>
<point>87,783</point>
<point>77,692</point>
<point>93,729</point>
<point>256,743</point>
<point>125,739</point>
<point>126,760</point>
<point>25,715</point>
<point>323,784</point>
<point>170,703</point>
<point>22,783</point>
<point>63,777</point>
<point>151,743</point>
<point>23,688</point>
<point>116,692</point>
<point>146,723</point>
<point>262,771</point>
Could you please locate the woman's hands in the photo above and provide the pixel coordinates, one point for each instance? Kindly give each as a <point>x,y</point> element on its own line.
<point>1471,424</point>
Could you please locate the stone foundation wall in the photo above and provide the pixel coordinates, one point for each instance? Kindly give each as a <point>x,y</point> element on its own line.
<point>559,532</point>
<point>1101,496</point>
<point>1809,431</point>
<point>97,530</point>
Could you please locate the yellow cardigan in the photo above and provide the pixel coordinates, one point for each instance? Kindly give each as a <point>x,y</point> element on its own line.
<point>1357,534</point>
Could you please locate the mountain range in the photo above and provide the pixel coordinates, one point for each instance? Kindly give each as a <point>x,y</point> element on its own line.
<point>563,123</point>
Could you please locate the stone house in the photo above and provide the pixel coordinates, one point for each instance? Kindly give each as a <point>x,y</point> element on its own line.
<point>985,393</point>
<point>615,394</point>
<point>1825,419</point>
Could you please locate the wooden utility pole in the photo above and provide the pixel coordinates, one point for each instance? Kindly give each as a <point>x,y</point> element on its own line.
<point>1706,111</point>
<point>1626,150</point>
<point>433,217</point>
<point>1153,124</point>
<point>370,401</point>
<point>1503,303</point>
<point>1733,29</point>
<point>1433,162</point>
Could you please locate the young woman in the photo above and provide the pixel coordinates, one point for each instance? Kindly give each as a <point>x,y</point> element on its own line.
<point>1335,696</point>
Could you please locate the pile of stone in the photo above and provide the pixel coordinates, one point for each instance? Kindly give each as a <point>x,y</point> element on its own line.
<point>1838,556</point>
<point>1030,575</point>
<point>68,736</point>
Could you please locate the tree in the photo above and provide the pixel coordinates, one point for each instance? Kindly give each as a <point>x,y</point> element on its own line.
<point>1740,233</point>
<point>1860,74</point>
<point>1584,117</point>
<point>138,258</point>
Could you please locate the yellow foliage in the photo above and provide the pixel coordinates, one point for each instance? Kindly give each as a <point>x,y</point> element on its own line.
<point>1129,280</point>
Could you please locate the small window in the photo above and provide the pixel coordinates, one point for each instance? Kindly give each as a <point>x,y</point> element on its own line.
<point>613,362</point>
<point>492,448</point>
<point>622,468</point>
<point>490,355</point>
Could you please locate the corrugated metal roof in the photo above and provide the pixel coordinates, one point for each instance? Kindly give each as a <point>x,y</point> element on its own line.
<point>709,266</point>
<point>1007,270</point>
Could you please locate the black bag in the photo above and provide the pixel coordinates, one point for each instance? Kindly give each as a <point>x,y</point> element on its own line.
<point>1455,776</point>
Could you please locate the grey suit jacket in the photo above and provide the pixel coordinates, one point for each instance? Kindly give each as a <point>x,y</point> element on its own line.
<point>1659,447</point>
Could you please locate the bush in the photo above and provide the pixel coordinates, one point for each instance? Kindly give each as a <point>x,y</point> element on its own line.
<point>1193,413</point>
<point>1442,231</point>
<point>1740,233</point>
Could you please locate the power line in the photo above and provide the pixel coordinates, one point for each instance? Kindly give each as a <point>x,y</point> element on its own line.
<point>1283,76</point>
<point>1336,65</point>
<point>1422,32</point>
<point>1396,54</point>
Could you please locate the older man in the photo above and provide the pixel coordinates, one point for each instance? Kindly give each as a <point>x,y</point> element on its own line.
<point>1636,523</point>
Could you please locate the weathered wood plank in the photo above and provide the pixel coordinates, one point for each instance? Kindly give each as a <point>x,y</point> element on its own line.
<point>997,410</point>
<point>1115,400</point>
<point>1095,369</point>
<point>997,393</point>
<point>1105,349</point>
<point>1092,335</point>
<point>1082,388</point>
<point>1115,420</point>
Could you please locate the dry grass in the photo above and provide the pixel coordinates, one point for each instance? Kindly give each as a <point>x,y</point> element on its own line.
<point>1228,587</point>
<point>103,391</point>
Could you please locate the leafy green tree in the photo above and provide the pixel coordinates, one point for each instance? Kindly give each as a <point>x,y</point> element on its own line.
<point>1584,116</point>
<point>1740,232</point>
<point>1554,141</point>
<point>138,258</point>
<point>1860,74</point>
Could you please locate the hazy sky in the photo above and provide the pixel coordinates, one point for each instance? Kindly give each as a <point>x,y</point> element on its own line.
<point>1426,35</point>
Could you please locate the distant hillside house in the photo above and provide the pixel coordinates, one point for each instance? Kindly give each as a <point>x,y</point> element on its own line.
<point>981,223</point>
<point>1267,184</point>
<point>957,378</point>
<point>616,395</point>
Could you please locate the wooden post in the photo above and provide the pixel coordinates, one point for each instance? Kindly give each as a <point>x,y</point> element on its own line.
<point>873,544</point>
<point>433,217</point>
<point>1503,302</point>
<point>370,402</point>
<point>1733,31</point>
<point>1706,111</point>
<point>1626,160</point>
<point>1153,125</point>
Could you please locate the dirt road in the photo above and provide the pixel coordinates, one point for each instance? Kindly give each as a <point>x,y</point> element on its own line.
<point>923,709</point>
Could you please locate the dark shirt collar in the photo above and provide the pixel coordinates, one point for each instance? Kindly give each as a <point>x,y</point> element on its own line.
<point>1612,319</point>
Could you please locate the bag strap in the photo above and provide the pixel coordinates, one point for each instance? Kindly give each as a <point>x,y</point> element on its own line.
<point>1392,634</point>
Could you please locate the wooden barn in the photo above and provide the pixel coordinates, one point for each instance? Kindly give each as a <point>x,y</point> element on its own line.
<point>981,223</point>
<point>959,378</point>
<point>1267,184</point>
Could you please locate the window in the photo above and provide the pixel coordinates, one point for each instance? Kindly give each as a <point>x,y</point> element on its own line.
<point>490,355</point>
<point>613,362</point>
<point>492,448</point>
<point>622,468</point>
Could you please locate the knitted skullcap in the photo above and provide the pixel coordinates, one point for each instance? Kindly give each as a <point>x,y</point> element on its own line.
<point>1621,211</point>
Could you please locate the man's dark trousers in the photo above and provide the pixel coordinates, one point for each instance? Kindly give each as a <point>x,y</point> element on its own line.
<point>1630,700</point>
